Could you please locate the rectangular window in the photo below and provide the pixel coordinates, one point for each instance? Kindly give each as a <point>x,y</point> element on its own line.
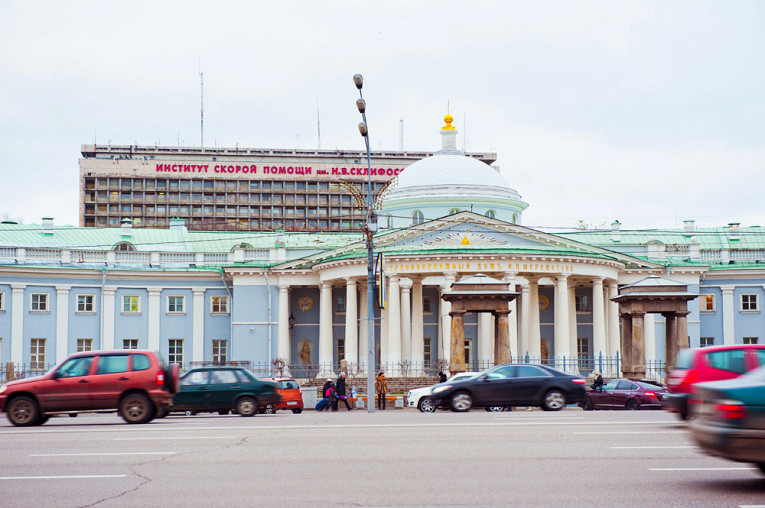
<point>130,304</point>
<point>219,305</point>
<point>707,303</point>
<point>751,340</point>
<point>340,349</point>
<point>749,302</point>
<point>580,301</point>
<point>37,354</point>
<point>583,352</point>
<point>175,351</point>
<point>706,341</point>
<point>39,302</point>
<point>219,351</point>
<point>129,343</point>
<point>426,351</point>
<point>85,303</point>
<point>84,345</point>
<point>175,304</point>
<point>2,301</point>
<point>426,305</point>
<point>340,304</point>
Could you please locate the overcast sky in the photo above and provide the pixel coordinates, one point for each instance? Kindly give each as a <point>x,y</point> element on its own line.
<point>646,112</point>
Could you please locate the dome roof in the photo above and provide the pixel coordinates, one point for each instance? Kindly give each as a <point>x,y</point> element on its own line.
<point>450,169</point>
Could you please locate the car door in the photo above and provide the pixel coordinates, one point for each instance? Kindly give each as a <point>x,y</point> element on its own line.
<point>493,387</point>
<point>110,379</point>
<point>618,397</point>
<point>601,398</point>
<point>529,384</point>
<point>69,387</point>
<point>194,392</point>
<point>224,387</point>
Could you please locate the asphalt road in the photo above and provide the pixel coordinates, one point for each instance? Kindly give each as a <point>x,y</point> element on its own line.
<point>390,458</point>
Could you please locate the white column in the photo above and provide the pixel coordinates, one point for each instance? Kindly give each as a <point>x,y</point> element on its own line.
<point>512,321</point>
<point>418,334</point>
<point>107,339</point>
<point>573,332</point>
<point>649,337</point>
<point>351,322</point>
<point>325,330</point>
<point>444,319</point>
<point>283,349</point>
<point>728,313</point>
<point>394,323</point>
<point>363,327</point>
<point>198,325</point>
<point>562,339</point>
<point>614,337</point>
<point>62,323</point>
<point>406,320</point>
<point>486,340</point>
<point>598,319</point>
<point>155,308</point>
<point>535,334</point>
<point>17,324</point>
<point>523,343</point>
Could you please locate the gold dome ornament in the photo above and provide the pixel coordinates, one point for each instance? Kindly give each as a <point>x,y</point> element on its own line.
<point>448,119</point>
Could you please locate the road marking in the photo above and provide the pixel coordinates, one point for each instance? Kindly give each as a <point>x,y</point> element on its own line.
<point>702,469</point>
<point>67,477</point>
<point>649,447</point>
<point>632,432</point>
<point>109,454</point>
<point>156,438</point>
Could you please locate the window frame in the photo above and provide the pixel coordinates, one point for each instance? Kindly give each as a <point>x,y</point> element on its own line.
<point>711,341</point>
<point>2,301</point>
<point>91,304</point>
<point>35,353</point>
<point>125,344</point>
<point>42,301</point>
<point>578,307</point>
<point>750,340</point>
<point>708,300</point>
<point>216,351</point>
<point>173,298</point>
<point>81,343</point>
<point>756,302</point>
<point>172,357</point>
<point>137,304</point>
<point>417,218</point>
<point>220,298</point>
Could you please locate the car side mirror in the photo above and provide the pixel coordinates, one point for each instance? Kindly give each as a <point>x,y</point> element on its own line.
<point>57,375</point>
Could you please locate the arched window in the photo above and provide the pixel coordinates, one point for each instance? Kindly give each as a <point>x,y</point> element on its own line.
<point>389,221</point>
<point>491,214</point>
<point>124,247</point>
<point>454,210</point>
<point>417,218</point>
<point>515,218</point>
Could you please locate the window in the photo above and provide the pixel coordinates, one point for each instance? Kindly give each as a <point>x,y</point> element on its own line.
<point>340,304</point>
<point>175,351</point>
<point>530,371</point>
<point>219,305</point>
<point>141,362</point>
<point>37,354</point>
<point>85,303</point>
<point>750,340</point>
<point>197,377</point>
<point>39,302</point>
<point>749,302</point>
<point>129,343</point>
<point>417,218</point>
<point>75,367</point>
<point>426,351</point>
<point>112,364</point>
<point>731,360</point>
<point>426,305</point>
<point>491,214</point>
<point>626,385</point>
<point>706,341</point>
<point>219,351</point>
<point>84,345</point>
<point>583,349</point>
<point>580,302</point>
<point>175,304</point>
<point>221,377</point>
<point>124,247</point>
<point>2,301</point>
<point>340,349</point>
<point>130,304</point>
<point>453,211</point>
<point>707,303</point>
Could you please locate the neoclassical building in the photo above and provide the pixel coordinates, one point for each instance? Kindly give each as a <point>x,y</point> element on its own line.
<point>203,296</point>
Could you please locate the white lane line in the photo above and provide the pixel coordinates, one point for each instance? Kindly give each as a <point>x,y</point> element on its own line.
<point>67,477</point>
<point>649,447</point>
<point>157,438</point>
<point>702,469</point>
<point>105,454</point>
<point>632,432</point>
<point>751,506</point>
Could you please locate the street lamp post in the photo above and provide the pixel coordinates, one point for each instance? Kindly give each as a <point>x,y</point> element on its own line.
<point>370,227</point>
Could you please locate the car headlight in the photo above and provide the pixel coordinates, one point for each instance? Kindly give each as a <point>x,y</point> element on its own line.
<point>441,388</point>
<point>3,388</point>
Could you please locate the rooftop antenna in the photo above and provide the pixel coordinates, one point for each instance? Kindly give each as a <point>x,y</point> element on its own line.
<point>464,131</point>
<point>202,109</point>
<point>401,135</point>
<point>318,124</point>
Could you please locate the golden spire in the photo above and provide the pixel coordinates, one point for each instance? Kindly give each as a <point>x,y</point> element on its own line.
<point>448,119</point>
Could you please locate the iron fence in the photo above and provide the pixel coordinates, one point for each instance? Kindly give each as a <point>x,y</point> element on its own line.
<point>10,371</point>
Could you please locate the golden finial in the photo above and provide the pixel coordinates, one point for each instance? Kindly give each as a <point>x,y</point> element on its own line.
<point>448,119</point>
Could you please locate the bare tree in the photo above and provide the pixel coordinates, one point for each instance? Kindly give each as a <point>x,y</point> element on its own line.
<point>280,364</point>
<point>439,365</point>
<point>406,370</point>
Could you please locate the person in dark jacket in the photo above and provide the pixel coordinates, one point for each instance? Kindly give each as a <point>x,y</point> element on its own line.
<point>341,395</point>
<point>598,383</point>
<point>441,377</point>
<point>332,396</point>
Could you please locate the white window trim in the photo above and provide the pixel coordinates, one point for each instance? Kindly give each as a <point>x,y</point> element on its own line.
<point>756,300</point>
<point>218,312</point>
<point>176,312</point>
<point>702,307</point>
<point>137,343</point>
<point>47,303</point>
<point>712,344</point>
<point>77,344</point>
<point>92,304</point>
<point>2,301</point>
<point>130,312</point>
<point>756,340</point>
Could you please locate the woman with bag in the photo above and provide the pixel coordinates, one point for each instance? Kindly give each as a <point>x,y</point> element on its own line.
<point>381,387</point>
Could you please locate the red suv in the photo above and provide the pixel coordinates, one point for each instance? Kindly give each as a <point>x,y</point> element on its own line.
<point>713,363</point>
<point>136,383</point>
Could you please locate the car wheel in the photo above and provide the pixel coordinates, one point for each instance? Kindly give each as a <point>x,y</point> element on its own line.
<point>426,405</point>
<point>224,412</point>
<point>136,408</point>
<point>761,465</point>
<point>554,400</point>
<point>269,409</point>
<point>461,402</point>
<point>42,419</point>
<point>23,411</point>
<point>297,411</point>
<point>586,404</point>
<point>495,409</point>
<point>247,406</point>
<point>162,412</point>
<point>683,415</point>
<point>633,405</point>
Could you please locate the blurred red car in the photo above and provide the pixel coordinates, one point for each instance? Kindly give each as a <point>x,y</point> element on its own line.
<point>624,393</point>
<point>292,398</point>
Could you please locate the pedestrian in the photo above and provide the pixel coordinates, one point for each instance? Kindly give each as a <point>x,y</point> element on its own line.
<point>340,390</point>
<point>332,396</point>
<point>381,387</point>
<point>324,388</point>
<point>441,377</point>
<point>598,383</point>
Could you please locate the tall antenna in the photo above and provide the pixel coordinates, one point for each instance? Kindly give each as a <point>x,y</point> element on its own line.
<point>464,131</point>
<point>401,135</point>
<point>318,123</point>
<point>202,109</point>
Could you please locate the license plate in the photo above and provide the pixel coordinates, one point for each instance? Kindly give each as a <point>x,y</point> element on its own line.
<point>292,403</point>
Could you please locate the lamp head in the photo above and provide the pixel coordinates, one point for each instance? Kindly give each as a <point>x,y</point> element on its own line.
<point>361,104</point>
<point>358,81</point>
<point>363,129</point>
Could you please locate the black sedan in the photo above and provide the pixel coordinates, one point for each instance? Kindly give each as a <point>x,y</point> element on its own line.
<point>625,394</point>
<point>512,385</point>
<point>223,389</point>
<point>729,418</point>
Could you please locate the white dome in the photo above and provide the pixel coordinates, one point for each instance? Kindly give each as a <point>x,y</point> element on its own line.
<point>450,170</point>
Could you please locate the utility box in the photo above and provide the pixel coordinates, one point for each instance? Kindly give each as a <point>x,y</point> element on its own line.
<point>310,397</point>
